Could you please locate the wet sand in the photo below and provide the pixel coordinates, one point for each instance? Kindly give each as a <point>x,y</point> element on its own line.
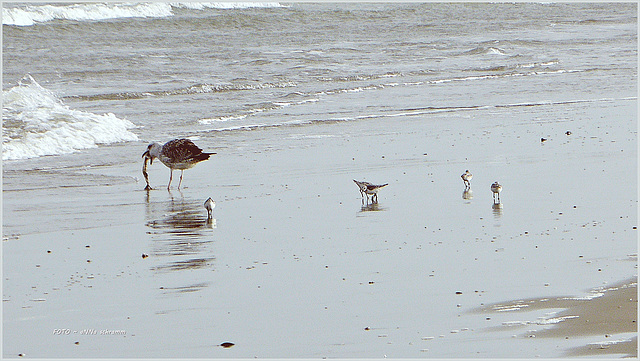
<point>296,265</point>
<point>608,312</point>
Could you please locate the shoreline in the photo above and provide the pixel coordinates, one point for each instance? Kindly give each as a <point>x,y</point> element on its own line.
<point>607,312</point>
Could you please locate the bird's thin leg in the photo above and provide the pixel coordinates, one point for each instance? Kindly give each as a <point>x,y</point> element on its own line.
<point>179,183</point>
<point>170,178</point>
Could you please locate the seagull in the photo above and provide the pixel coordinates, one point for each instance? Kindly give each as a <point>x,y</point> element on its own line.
<point>367,188</point>
<point>176,154</point>
<point>209,205</point>
<point>466,177</point>
<point>496,188</point>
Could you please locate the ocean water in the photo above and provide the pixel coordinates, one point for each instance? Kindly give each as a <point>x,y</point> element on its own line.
<point>78,76</point>
<point>296,265</point>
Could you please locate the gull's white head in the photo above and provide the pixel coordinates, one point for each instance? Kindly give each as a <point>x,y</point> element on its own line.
<point>153,151</point>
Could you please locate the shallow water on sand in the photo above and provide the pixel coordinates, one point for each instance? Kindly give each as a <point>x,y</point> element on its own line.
<point>294,263</point>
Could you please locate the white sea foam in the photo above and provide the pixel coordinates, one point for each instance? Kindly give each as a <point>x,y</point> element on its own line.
<point>585,298</point>
<point>553,320</point>
<point>267,106</point>
<point>226,5</point>
<point>36,123</point>
<point>225,118</point>
<point>31,14</point>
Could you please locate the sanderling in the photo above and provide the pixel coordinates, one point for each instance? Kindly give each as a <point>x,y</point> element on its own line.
<point>496,188</point>
<point>176,154</point>
<point>367,188</point>
<point>209,205</point>
<point>362,186</point>
<point>466,178</point>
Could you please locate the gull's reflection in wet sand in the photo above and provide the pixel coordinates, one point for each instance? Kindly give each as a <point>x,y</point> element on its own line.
<point>180,231</point>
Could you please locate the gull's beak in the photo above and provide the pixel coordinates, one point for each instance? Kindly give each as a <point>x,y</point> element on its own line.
<point>147,156</point>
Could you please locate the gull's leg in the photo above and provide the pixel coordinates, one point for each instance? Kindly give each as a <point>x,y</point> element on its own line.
<point>170,177</point>
<point>179,183</point>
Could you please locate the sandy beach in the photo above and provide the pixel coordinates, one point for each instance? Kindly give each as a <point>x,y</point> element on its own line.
<point>607,313</point>
<point>298,100</point>
<point>295,265</point>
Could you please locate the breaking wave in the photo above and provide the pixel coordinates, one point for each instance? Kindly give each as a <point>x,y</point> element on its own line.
<point>29,15</point>
<point>36,123</point>
<point>193,89</point>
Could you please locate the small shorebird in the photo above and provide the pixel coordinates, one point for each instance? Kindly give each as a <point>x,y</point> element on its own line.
<point>362,186</point>
<point>466,178</point>
<point>367,188</point>
<point>176,154</point>
<point>496,188</point>
<point>209,205</point>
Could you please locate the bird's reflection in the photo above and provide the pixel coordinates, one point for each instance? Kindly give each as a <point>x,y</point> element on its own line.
<point>211,223</point>
<point>370,207</point>
<point>467,194</point>
<point>179,216</point>
<point>180,230</point>
<point>497,209</point>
